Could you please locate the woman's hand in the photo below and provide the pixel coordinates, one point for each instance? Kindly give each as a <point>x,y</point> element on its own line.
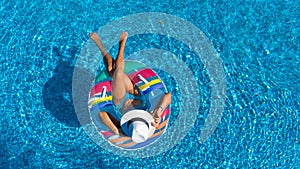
<point>156,118</point>
<point>116,130</point>
<point>164,101</point>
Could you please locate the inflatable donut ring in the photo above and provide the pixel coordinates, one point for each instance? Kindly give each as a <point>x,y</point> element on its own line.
<point>151,88</point>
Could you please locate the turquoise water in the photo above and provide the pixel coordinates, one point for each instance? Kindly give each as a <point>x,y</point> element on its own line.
<point>258,42</point>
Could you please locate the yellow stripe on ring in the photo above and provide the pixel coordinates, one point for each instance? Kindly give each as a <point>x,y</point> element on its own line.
<point>98,100</point>
<point>152,82</point>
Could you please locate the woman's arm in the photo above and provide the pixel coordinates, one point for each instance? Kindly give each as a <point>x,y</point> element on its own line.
<point>164,101</point>
<point>107,121</point>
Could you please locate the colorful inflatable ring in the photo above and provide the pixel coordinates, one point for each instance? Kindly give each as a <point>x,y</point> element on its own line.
<point>151,87</point>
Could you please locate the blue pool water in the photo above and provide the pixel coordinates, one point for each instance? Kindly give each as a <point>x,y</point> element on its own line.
<point>258,42</point>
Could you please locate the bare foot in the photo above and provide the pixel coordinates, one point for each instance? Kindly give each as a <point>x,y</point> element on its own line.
<point>94,37</point>
<point>108,60</point>
<point>123,37</point>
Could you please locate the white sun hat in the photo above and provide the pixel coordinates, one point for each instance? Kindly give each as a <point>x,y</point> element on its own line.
<point>137,124</point>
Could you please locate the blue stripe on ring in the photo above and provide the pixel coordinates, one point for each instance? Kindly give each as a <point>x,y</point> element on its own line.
<point>154,87</point>
<point>102,105</point>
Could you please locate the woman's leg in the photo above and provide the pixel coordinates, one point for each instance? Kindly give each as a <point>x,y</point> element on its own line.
<point>108,60</point>
<point>119,64</point>
<point>121,83</point>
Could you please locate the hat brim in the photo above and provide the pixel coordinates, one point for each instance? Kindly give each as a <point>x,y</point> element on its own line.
<point>138,114</point>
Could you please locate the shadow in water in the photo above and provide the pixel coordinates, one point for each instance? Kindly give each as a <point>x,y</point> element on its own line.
<point>57,94</point>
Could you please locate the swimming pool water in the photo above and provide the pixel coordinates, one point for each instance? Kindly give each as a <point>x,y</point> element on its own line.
<point>258,42</point>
